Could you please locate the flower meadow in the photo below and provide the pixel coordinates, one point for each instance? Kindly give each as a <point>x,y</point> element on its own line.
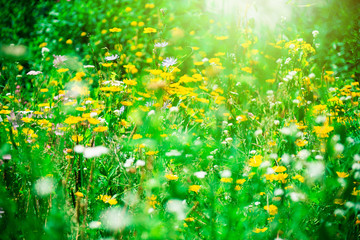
<point>179,119</point>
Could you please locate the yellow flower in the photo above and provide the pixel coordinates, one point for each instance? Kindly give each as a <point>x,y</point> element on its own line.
<point>272,209</point>
<point>322,131</point>
<point>342,174</point>
<point>73,120</point>
<point>255,161</point>
<point>77,138</point>
<point>301,143</point>
<point>240,181</point>
<point>27,120</point>
<point>299,177</point>
<point>79,194</point>
<point>4,111</point>
<point>107,199</point>
<point>93,121</point>
<point>149,5</point>
<point>189,219</point>
<point>226,180</point>
<point>128,9</point>
<point>44,44</point>
<point>112,201</point>
<point>107,64</point>
<point>152,201</point>
<point>62,70</point>
<point>247,69</point>
<point>279,169</point>
<point>126,103</point>
<point>115,29</point>
<point>130,82</point>
<point>44,90</point>
<point>150,30</point>
<point>258,230</point>
<point>136,136</point>
<point>81,109</point>
<point>69,42</point>
<point>151,153</point>
<point>222,38</point>
<point>100,129</point>
<point>194,188</point>
<point>171,177</point>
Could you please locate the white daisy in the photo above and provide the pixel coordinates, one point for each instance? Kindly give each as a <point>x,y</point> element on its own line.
<point>161,45</point>
<point>169,62</point>
<point>112,57</point>
<point>34,73</point>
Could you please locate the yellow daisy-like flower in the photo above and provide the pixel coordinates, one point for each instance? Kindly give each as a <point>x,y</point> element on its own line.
<point>279,169</point>
<point>27,120</point>
<point>62,70</point>
<point>130,82</point>
<point>77,138</point>
<point>93,121</point>
<point>115,29</point>
<point>342,174</point>
<point>79,194</point>
<point>4,111</point>
<point>151,153</point>
<point>256,161</point>
<point>222,38</point>
<point>299,177</point>
<point>226,180</point>
<point>136,136</point>
<point>112,201</point>
<point>301,143</point>
<point>240,181</point>
<point>126,103</point>
<point>171,177</point>
<point>150,30</point>
<point>194,188</point>
<point>101,129</point>
<point>107,64</point>
<point>272,209</point>
<point>259,230</point>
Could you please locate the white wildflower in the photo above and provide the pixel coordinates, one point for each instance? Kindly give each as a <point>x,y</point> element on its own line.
<point>34,73</point>
<point>115,219</point>
<point>79,149</point>
<point>173,153</point>
<point>161,45</point>
<point>140,163</point>
<point>225,174</point>
<point>44,186</point>
<point>169,62</point>
<point>112,57</point>
<point>200,174</point>
<point>177,207</point>
<point>92,152</point>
